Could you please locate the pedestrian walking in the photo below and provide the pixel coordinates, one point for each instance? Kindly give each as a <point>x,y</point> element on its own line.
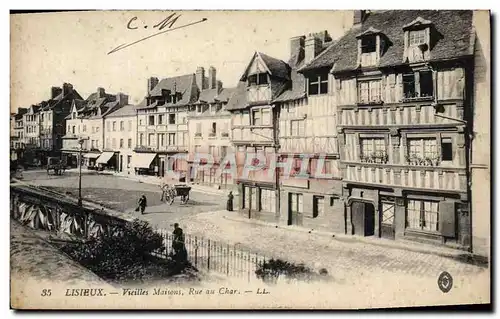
<point>229,205</point>
<point>142,203</point>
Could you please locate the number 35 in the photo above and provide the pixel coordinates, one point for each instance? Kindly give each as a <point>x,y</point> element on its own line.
<point>46,292</point>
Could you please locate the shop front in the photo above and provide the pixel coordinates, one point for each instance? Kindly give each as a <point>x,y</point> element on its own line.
<point>430,217</point>
<point>90,160</point>
<point>145,164</point>
<point>107,161</point>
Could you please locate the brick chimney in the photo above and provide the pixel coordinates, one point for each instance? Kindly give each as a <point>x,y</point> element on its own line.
<point>212,78</point>
<point>152,82</point>
<point>67,88</point>
<point>359,18</point>
<point>218,86</point>
<point>122,99</point>
<point>312,47</point>
<point>200,78</point>
<point>100,92</point>
<point>55,91</point>
<point>295,44</point>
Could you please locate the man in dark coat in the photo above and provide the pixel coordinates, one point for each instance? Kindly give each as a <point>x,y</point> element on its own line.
<point>178,243</point>
<point>229,205</point>
<point>142,204</point>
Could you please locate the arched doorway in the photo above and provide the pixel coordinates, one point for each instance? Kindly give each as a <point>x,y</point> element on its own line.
<point>362,217</point>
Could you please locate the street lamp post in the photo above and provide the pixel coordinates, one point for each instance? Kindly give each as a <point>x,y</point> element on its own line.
<point>80,141</point>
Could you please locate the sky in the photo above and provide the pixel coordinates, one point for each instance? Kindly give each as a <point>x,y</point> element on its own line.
<point>49,49</point>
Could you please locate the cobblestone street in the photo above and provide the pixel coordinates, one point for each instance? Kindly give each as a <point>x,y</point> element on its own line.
<point>349,260</point>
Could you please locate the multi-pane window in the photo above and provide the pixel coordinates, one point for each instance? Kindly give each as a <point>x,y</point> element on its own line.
<point>114,126</point>
<point>422,215</point>
<point>422,148</point>
<point>129,143</point>
<point>151,139</point>
<point>250,197</point>
<point>258,79</point>
<point>113,143</point>
<point>417,37</point>
<point>160,119</point>
<point>372,147</point>
<point>256,117</point>
<point>261,116</point>
<point>297,128</point>
<point>161,138</point>
<point>151,120</point>
<point>141,139</point>
<point>418,84</point>
<point>122,126</point>
<point>318,84</point>
<point>121,143</point>
<point>369,91</point>
<point>171,138</point>
<point>295,201</point>
<point>267,200</point>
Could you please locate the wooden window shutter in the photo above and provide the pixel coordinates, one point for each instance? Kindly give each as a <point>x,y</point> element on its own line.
<point>447,219</point>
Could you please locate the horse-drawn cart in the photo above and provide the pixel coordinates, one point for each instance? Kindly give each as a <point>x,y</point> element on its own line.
<point>170,192</point>
<point>56,165</point>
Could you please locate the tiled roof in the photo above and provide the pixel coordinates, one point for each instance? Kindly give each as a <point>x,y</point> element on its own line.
<point>211,95</point>
<point>297,89</point>
<point>185,84</point>
<point>127,110</point>
<point>50,104</point>
<point>454,32</point>
<point>238,100</point>
<point>277,67</point>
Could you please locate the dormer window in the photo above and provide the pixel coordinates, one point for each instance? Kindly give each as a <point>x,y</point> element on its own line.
<point>369,44</point>
<point>317,84</point>
<point>370,47</point>
<point>258,79</point>
<point>417,37</point>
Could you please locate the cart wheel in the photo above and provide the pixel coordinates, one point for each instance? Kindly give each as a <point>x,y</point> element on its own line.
<point>170,200</point>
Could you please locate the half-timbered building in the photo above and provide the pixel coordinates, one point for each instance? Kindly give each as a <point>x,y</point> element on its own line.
<point>311,192</point>
<point>254,134</point>
<point>402,89</point>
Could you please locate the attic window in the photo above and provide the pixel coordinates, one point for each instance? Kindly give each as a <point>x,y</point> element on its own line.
<point>257,79</point>
<point>417,37</point>
<point>369,44</point>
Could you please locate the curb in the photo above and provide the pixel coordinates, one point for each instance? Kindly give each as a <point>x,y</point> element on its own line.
<point>457,255</point>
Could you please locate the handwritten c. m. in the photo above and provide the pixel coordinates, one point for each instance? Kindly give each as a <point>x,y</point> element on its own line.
<point>168,21</point>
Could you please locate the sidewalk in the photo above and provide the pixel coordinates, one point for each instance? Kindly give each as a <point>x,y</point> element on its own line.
<point>343,255</point>
<point>399,244</point>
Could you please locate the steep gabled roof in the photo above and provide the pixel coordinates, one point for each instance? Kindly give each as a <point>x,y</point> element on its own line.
<point>277,68</point>
<point>184,84</point>
<point>454,32</point>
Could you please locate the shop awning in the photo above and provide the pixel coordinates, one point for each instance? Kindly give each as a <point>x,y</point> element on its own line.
<point>105,157</point>
<point>91,155</point>
<point>142,160</point>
